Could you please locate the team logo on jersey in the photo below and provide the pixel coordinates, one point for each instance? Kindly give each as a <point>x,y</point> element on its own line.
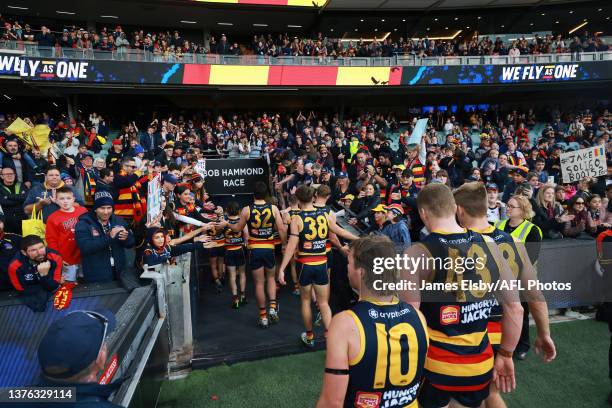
<point>367,399</point>
<point>255,231</point>
<point>307,245</point>
<point>449,315</point>
<point>373,313</point>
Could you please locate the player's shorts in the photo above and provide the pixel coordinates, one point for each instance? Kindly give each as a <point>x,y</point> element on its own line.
<point>217,252</point>
<point>234,257</point>
<point>262,258</point>
<point>312,274</point>
<point>432,397</point>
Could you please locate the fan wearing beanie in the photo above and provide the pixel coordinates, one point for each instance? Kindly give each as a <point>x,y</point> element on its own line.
<point>103,238</point>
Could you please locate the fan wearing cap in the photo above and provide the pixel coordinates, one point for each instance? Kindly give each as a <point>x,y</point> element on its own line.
<point>102,238</point>
<point>380,220</point>
<point>519,175</point>
<point>74,351</point>
<point>115,155</point>
<point>35,272</point>
<point>398,231</point>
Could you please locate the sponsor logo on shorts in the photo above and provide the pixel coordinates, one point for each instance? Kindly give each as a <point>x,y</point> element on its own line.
<point>449,315</point>
<point>367,399</point>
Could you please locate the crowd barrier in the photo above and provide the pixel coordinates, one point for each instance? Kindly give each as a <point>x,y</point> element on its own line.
<point>398,59</point>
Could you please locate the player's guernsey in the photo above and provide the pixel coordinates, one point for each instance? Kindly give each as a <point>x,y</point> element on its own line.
<point>217,237</point>
<point>314,231</point>
<point>460,357</point>
<point>388,370</point>
<point>261,226</point>
<point>507,247</point>
<point>233,240</point>
<point>324,209</point>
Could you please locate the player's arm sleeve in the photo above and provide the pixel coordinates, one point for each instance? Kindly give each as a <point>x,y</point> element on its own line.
<point>337,358</point>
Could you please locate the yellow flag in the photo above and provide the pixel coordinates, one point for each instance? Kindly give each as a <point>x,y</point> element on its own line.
<point>40,137</point>
<point>19,127</point>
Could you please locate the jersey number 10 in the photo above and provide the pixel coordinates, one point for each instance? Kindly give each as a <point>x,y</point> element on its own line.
<point>391,362</point>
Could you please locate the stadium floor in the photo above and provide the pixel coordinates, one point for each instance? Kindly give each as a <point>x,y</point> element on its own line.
<point>224,335</point>
<point>577,378</point>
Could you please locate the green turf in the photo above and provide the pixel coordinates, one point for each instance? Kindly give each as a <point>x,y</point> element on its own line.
<point>577,378</point>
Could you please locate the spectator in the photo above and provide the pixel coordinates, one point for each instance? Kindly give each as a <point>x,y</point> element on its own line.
<point>59,233</point>
<point>115,155</point>
<point>105,182</point>
<point>74,351</point>
<point>12,197</point>
<point>579,223</point>
<point>43,195</point>
<point>602,219</point>
<point>367,199</point>
<point>88,175</point>
<point>103,238</point>
<point>14,158</point>
<point>496,209</point>
<point>519,175</point>
<point>10,244</point>
<point>549,213</point>
<point>45,38</point>
<point>398,231</point>
<point>35,272</point>
<point>129,186</point>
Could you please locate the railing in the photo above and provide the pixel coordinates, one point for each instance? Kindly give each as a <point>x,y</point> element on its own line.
<point>136,55</point>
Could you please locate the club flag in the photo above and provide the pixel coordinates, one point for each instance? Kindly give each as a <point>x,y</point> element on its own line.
<point>40,137</point>
<point>19,127</point>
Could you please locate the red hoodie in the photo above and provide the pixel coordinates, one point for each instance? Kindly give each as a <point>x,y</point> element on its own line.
<point>60,234</point>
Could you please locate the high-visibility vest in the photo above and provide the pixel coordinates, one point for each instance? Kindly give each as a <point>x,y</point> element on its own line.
<point>353,147</point>
<point>520,233</point>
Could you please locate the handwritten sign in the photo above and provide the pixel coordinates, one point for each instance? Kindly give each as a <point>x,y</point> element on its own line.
<point>154,198</point>
<point>200,167</point>
<point>589,162</point>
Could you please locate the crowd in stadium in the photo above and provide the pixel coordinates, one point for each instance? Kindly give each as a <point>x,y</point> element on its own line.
<point>372,179</point>
<point>171,43</point>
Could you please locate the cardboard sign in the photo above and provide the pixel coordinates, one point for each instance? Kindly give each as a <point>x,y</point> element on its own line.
<point>154,198</point>
<point>589,162</point>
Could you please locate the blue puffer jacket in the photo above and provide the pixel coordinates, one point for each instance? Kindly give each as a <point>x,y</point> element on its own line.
<point>96,248</point>
<point>398,233</point>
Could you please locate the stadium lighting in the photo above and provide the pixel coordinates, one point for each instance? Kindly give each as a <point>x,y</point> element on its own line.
<point>384,37</point>
<point>294,26</point>
<point>361,20</point>
<point>543,14</point>
<point>259,25</point>
<point>188,22</point>
<point>571,11</point>
<point>7,97</point>
<point>578,27</point>
<point>599,9</point>
<point>382,20</point>
<point>404,20</point>
<point>65,12</point>
<point>226,24</point>
<point>452,37</point>
<point>109,17</point>
<point>26,8</point>
<point>557,22</point>
<point>436,19</point>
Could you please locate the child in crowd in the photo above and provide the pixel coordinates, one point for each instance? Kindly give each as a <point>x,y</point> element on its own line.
<point>59,233</point>
<point>159,251</point>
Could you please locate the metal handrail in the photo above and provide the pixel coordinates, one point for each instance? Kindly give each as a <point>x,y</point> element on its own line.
<point>137,55</point>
